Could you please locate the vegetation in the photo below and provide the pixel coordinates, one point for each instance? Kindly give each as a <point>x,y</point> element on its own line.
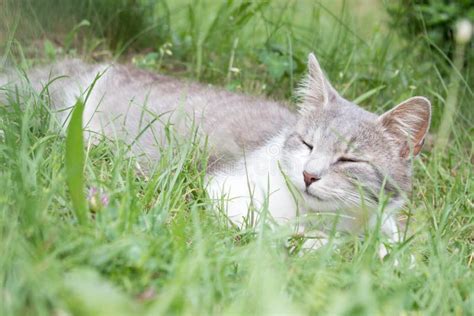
<point>153,245</point>
<point>432,19</point>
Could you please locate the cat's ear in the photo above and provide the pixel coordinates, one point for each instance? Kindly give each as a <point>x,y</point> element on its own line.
<point>316,89</point>
<point>407,124</point>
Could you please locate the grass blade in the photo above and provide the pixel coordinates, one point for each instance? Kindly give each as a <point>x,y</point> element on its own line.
<point>75,162</point>
<point>368,94</point>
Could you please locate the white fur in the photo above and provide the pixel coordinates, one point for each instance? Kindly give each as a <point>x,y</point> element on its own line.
<point>254,181</point>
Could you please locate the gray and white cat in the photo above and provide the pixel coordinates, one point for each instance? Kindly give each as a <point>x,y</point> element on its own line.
<point>332,157</point>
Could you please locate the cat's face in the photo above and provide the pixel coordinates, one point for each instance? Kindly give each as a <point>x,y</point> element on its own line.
<point>340,156</point>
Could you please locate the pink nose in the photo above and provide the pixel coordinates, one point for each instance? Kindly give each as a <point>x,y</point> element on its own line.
<point>309,178</point>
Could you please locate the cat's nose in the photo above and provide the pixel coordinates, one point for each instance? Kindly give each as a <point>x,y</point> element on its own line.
<point>309,178</point>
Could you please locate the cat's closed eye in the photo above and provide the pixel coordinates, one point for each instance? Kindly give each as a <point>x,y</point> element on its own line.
<point>310,147</point>
<point>348,159</point>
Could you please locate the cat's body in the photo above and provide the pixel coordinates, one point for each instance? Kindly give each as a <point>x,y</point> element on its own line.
<point>331,157</point>
<point>125,100</point>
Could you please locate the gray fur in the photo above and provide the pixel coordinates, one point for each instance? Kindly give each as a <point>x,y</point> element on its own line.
<point>336,128</point>
<point>126,100</point>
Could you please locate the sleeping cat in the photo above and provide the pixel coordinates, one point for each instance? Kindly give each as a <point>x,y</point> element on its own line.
<point>331,157</point>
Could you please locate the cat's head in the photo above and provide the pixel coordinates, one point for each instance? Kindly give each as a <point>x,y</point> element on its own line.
<point>341,156</point>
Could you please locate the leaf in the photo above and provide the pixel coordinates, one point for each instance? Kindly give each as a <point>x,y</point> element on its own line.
<point>277,65</point>
<point>49,50</point>
<point>75,162</point>
<point>70,36</point>
<point>368,94</point>
<point>87,293</point>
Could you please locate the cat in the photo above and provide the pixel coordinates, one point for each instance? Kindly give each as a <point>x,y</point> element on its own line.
<point>329,157</point>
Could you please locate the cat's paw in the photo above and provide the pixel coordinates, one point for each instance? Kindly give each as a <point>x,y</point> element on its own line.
<point>305,242</point>
<point>313,241</point>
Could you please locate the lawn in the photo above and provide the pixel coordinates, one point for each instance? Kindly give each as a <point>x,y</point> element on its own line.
<point>153,245</point>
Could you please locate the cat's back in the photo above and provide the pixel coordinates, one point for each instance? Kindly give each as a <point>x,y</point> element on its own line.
<point>231,121</point>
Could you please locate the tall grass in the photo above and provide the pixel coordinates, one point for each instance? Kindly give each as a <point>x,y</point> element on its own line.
<point>157,246</point>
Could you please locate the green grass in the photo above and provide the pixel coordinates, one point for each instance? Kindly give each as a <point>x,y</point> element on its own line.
<point>158,247</point>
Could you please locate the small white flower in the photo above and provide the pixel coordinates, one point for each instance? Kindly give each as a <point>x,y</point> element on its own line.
<point>463,31</point>
<point>235,70</point>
